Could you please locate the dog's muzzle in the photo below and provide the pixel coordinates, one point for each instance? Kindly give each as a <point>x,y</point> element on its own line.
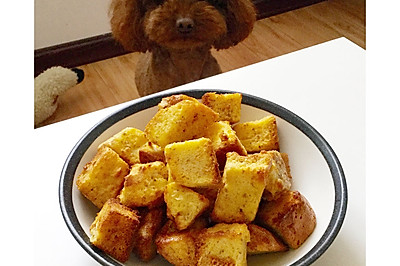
<point>184,25</point>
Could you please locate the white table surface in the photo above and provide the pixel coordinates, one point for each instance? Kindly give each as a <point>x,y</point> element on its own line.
<point>323,84</point>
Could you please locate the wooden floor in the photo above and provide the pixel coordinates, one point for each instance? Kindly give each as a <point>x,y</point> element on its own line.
<point>111,81</point>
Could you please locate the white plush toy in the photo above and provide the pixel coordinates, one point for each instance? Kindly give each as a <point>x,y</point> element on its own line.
<point>49,85</point>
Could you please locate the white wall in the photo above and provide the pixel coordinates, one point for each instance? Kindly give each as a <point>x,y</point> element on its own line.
<point>60,21</point>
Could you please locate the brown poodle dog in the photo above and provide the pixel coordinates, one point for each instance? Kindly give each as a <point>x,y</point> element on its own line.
<point>175,37</point>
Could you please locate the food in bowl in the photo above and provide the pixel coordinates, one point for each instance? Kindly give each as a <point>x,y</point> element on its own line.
<point>196,171</point>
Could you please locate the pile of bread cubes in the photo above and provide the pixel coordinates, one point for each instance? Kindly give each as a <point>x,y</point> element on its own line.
<point>197,186</point>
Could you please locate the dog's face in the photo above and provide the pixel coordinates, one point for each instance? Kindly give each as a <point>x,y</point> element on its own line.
<point>181,24</point>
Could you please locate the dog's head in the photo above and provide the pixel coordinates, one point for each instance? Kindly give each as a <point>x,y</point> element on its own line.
<point>181,24</point>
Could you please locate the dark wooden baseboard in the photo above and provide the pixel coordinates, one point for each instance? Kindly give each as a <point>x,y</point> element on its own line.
<point>267,8</point>
<point>77,53</point>
<point>85,51</point>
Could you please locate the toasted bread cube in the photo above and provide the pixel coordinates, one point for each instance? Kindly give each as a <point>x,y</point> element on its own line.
<point>182,121</point>
<point>223,244</point>
<point>227,105</point>
<point>179,247</point>
<point>150,223</point>
<point>151,152</point>
<point>116,241</point>
<point>243,179</point>
<point>263,241</point>
<point>183,204</point>
<point>258,135</point>
<point>224,140</point>
<point>193,163</point>
<point>278,179</point>
<point>145,185</point>
<point>127,143</point>
<point>103,177</point>
<point>173,99</point>
<point>290,217</point>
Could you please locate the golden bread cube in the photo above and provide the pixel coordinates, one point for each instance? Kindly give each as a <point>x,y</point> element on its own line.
<point>182,121</point>
<point>223,244</point>
<point>151,152</point>
<point>227,105</point>
<point>224,140</point>
<point>193,163</point>
<point>291,217</point>
<point>258,135</point>
<point>277,179</point>
<point>179,247</point>
<point>263,241</point>
<point>183,204</point>
<point>238,199</point>
<point>103,177</point>
<point>127,143</point>
<point>173,99</point>
<point>144,185</point>
<point>151,222</point>
<point>117,241</point>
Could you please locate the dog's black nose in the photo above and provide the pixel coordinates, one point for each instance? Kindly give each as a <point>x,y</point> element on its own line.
<point>184,25</point>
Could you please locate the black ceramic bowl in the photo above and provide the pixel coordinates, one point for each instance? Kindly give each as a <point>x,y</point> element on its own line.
<point>314,167</point>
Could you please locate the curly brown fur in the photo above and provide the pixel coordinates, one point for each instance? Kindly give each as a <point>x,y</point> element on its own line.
<point>175,37</point>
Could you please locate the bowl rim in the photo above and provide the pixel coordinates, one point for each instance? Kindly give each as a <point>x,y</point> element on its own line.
<point>74,157</point>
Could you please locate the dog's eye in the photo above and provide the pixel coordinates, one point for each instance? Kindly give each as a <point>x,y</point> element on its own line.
<point>218,3</point>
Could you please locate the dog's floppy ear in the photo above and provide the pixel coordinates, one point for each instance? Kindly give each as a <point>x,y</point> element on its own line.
<point>240,18</point>
<point>126,18</point>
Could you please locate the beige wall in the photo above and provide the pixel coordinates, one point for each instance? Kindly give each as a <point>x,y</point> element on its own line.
<point>60,21</point>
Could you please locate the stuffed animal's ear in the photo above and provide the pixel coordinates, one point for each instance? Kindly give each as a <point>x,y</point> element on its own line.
<point>240,18</point>
<point>126,18</point>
